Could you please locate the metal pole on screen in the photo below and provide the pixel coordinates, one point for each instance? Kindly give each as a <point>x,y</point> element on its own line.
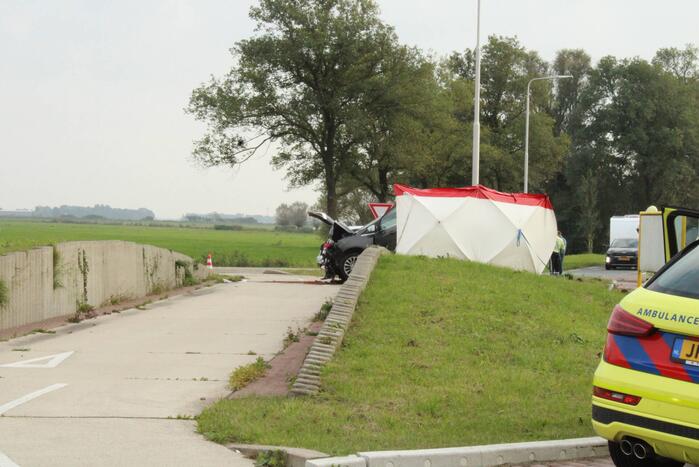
<point>475,176</point>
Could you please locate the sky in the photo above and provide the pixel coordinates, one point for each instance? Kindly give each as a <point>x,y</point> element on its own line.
<point>92,92</point>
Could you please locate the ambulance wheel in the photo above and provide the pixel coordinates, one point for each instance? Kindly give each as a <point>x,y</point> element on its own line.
<point>347,264</point>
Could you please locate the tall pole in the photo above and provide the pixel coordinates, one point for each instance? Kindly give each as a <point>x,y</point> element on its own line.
<point>526,142</point>
<point>475,177</point>
<point>526,126</point>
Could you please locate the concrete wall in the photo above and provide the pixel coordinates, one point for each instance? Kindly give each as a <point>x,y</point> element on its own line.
<point>49,282</point>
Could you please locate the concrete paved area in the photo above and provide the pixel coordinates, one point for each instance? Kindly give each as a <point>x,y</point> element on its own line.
<point>626,275</point>
<point>248,270</point>
<point>264,270</point>
<point>624,279</point>
<point>109,391</point>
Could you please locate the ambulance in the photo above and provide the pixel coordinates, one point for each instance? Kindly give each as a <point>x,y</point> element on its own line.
<point>646,387</point>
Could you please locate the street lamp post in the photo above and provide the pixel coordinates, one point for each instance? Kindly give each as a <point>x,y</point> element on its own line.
<point>475,177</point>
<point>526,127</point>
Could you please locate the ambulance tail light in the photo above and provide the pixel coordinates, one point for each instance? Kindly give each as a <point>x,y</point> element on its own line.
<point>615,396</point>
<point>624,323</point>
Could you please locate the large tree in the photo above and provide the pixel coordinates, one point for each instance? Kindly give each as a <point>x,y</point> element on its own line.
<point>635,128</point>
<point>400,100</point>
<point>565,109</point>
<point>683,64</point>
<point>304,82</point>
<point>507,66</point>
<point>437,148</point>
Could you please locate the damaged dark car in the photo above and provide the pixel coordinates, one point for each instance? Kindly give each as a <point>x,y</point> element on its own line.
<point>340,251</point>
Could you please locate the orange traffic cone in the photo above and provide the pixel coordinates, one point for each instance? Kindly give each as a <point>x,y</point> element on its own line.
<point>209,262</point>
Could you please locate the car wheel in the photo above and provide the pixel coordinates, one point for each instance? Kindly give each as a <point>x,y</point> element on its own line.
<point>608,267</point>
<point>347,265</point>
<point>623,460</point>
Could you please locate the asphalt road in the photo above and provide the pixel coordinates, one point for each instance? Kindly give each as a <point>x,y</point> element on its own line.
<point>121,390</point>
<point>619,275</point>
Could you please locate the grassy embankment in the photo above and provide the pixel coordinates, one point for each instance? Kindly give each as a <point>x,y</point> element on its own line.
<point>582,261</point>
<point>229,248</point>
<point>443,353</point>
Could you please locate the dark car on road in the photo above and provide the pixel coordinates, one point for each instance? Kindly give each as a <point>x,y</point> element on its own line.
<point>623,252</point>
<point>339,253</point>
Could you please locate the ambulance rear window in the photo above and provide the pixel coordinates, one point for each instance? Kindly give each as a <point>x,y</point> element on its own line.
<point>681,278</point>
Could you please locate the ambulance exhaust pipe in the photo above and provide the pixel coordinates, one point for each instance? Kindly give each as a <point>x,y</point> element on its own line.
<point>636,448</point>
<point>642,451</point>
<point>626,447</point>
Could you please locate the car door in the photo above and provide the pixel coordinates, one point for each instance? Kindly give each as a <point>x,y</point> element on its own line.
<point>386,234</point>
<point>681,228</point>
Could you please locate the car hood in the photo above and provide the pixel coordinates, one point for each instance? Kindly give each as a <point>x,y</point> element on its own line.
<point>667,312</point>
<point>628,251</point>
<point>324,218</point>
<point>321,216</point>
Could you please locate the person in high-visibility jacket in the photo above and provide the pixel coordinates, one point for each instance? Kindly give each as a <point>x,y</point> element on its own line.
<point>562,250</point>
<point>557,256</point>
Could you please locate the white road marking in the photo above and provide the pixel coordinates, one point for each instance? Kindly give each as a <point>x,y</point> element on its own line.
<point>52,361</point>
<point>33,395</point>
<point>6,461</point>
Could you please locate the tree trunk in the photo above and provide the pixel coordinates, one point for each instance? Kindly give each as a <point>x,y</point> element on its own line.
<point>330,187</point>
<point>328,156</point>
<point>384,189</point>
<point>331,200</point>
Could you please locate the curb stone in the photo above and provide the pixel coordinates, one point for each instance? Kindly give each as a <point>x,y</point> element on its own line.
<point>475,456</point>
<point>295,457</point>
<point>336,323</point>
<point>346,461</point>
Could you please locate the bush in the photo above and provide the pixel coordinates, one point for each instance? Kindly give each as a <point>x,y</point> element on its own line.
<point>189,278</point>
<point>324,310</point>
<point>246,374</point>
<point>82,310</point>
<point>238,259</point>
<point>57,269</point>
<point>292,336</point>
<point>4,295</point>
<point>228,227</point>
<point>276,458</point>
<point>232,259</point>
<point>221,278</point>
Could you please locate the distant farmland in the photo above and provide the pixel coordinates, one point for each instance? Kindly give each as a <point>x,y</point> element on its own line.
<point>229,248</point>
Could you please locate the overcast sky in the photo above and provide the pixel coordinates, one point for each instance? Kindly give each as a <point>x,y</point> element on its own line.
<point>92,92</point>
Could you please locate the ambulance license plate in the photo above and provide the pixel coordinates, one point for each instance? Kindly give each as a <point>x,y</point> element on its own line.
<point>686,351</point>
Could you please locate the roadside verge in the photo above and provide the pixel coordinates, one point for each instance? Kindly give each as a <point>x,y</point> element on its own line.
<point>441,353</point>
<point>330,335</point>
<point>474,456</point>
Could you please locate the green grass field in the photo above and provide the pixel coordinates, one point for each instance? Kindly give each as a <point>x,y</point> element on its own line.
<point>229,248</point>
<point>582,261</point>
<point>443,353</point>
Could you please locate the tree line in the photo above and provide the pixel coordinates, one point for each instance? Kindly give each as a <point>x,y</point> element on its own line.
<point>346,106</point>
<point>293,214</point>
<point>98,211</point>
